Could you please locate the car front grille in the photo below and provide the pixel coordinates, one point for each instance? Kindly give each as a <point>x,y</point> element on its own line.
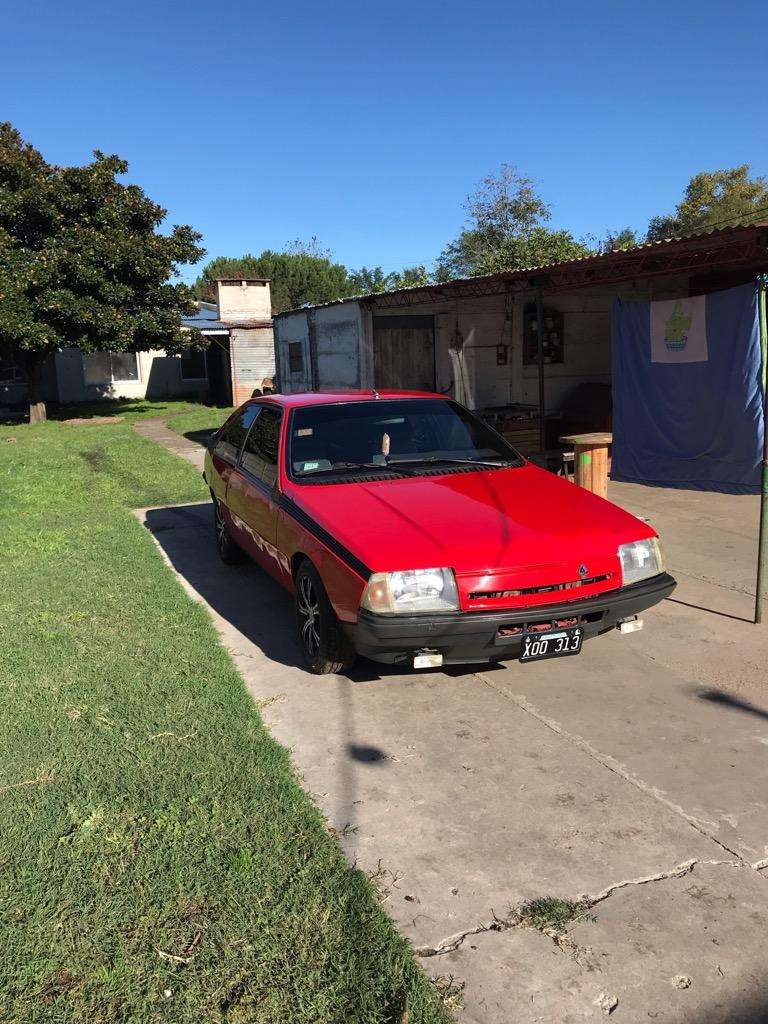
<point>490,595</point>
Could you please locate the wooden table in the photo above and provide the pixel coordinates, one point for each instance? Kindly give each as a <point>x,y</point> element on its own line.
<point>590,460</point>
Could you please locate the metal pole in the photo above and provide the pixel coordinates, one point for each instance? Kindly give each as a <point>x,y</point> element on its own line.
<point>761,544</point>
<point>542,404</point>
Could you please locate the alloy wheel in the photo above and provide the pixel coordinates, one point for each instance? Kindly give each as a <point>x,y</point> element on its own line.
<point>221,528</point>
<point>309,616</point>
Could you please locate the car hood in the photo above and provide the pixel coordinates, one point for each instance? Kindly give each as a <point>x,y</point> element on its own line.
<point>476,522</point>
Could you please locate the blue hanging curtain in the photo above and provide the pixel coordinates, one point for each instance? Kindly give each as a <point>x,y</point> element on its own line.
<point>687,395</point>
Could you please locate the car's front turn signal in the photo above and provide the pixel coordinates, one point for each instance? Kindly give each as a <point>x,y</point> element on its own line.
<point>411,591</point>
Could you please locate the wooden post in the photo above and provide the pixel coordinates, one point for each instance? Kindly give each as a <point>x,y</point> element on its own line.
<point>590,460</point>
<point>591,465</point>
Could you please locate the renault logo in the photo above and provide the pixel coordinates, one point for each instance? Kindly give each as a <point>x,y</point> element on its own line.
<point>583,570</point>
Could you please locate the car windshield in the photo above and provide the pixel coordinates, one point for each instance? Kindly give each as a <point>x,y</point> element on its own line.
<point>400,435</point>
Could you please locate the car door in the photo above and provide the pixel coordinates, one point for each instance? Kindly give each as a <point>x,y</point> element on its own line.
<point>226,450</point>
<point>253,491</point>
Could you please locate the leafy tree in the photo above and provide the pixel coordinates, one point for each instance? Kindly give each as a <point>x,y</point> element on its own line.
<point>297,277</point>
<point>506,230</point>
<point>367,280</point>
<point>714,199</point>
<point>373,279</point>
<point>82,262</point>
<point>412,277</point>
<point>623,239</point>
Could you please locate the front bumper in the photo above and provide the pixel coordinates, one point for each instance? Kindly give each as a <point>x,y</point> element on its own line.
<point>463,637</point>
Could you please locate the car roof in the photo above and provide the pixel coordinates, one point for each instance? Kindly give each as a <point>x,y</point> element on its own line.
<point>299,400</point>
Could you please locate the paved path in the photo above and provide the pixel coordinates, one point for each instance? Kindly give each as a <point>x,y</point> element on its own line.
<point>156,429</point>
<point>631,774</point>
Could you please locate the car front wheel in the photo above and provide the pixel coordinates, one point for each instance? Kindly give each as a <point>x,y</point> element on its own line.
<point>228,550</point>
<point>323,643</point>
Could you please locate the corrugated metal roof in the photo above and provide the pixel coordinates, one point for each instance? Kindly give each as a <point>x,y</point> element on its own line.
<point>204,323</point>
<point>614,256</point>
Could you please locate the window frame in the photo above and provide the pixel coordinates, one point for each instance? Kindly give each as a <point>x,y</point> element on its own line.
<point>18,376</point>
<point>293,348</point>
<point>279,412</point>
<point>191,380</point>
<point>111,379</point>
<point>307,479</point>
<point>242,410</point>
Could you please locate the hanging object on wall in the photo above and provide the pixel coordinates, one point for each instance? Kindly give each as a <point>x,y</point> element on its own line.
<point>505,341</point>
<point>687,392</point>
<point>456,352</point>
<point>553,336</point>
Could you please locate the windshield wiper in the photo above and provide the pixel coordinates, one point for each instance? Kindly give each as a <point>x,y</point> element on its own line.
<point>431,459</point>
<point>366,465</point>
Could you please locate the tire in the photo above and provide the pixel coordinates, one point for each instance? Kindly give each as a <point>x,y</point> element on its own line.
<point>322,641</point>
<point>229,552</point>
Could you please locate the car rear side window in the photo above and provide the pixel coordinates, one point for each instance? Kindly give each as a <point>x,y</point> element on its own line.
<point>231,440</point>
<point>261,446</point>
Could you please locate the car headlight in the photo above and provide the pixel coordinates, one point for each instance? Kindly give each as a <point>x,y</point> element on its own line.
<point>411,591</point>
<point>640,560</point>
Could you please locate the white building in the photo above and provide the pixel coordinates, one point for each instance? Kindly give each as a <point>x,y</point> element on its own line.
<point>239,357</point>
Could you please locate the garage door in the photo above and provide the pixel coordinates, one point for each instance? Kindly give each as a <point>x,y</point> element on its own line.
<point>404,352</point>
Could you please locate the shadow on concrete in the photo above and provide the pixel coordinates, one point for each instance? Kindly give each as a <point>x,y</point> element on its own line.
<point>731,701</point>
<point>368,755</point>
<point>712,611</point>
<point>244,595</point>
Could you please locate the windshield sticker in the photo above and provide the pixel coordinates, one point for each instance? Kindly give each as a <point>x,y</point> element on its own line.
<point>304,432</point>
<point>310,465</point>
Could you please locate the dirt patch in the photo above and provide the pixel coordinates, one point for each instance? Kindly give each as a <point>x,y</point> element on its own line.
<point>83,421</point>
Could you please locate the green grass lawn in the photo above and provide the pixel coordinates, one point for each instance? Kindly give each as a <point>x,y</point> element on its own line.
<point>158,860</point>
<point>198,419</point>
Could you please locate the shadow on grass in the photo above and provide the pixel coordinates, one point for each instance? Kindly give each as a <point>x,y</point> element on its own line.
<point>201,437</point>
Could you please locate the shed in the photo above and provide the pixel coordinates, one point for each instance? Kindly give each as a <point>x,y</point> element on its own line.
<point>531,350</point>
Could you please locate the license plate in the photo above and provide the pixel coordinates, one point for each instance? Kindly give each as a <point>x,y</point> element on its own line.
<point>551,645</point>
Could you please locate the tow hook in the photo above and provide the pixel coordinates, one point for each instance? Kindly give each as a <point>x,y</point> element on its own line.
<point>629,625</point>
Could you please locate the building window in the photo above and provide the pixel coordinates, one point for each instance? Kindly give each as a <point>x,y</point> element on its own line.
<point>295,357</point>
<point>553,336</point>
<point>110,367</point>
<point>193,365</point>
<point>12,375</point>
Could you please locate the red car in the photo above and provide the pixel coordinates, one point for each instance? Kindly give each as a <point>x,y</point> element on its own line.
<point>410,532</point>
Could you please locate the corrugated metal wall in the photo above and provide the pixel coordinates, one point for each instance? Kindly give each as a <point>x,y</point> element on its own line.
<point>253,359</point>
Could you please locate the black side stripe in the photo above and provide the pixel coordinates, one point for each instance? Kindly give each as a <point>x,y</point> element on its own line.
<point>309,524</point>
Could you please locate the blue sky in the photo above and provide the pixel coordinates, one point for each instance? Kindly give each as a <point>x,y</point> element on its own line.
<point>367,124</point>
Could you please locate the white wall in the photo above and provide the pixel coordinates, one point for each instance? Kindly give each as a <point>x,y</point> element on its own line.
<point>338,333</point>
<point>159,377</point>
<point>586,346</point>
<point>474,374</point>
<point>343,335</point>
<point>292,328</point>
<point>243,300</point>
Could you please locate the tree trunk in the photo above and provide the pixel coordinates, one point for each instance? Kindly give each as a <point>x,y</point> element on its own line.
<point>37,412</point>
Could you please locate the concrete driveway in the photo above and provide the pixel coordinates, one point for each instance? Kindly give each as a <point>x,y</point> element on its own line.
<point>634,776</point>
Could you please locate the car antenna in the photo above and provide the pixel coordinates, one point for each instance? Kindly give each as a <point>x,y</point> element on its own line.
<point>375,393</point>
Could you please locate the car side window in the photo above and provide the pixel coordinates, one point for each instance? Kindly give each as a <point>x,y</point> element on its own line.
<point>261,446</point>
<point>231,440</point>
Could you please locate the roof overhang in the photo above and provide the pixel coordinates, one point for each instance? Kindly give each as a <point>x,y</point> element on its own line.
<point>744,247</point>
